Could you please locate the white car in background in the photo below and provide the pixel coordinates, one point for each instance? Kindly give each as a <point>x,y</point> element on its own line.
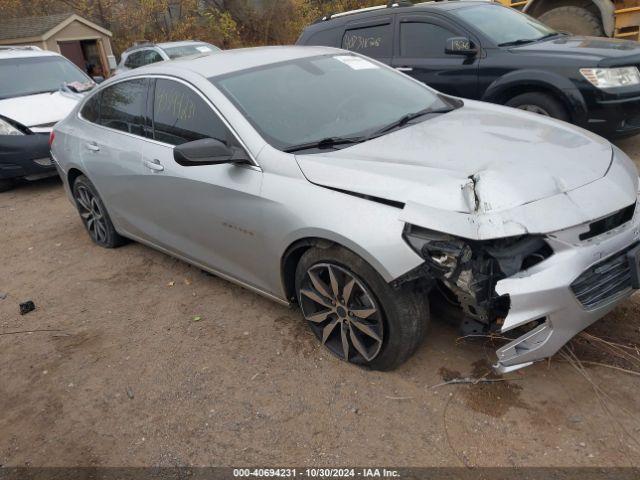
<point>37,89</point>
<point>148,53</point>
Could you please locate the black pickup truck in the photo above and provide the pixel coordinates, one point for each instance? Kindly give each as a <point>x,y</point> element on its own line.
<point>485,51</point>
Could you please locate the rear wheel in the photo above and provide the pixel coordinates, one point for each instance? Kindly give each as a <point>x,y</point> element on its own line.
<point>6,185</point>
<point>355,313</point>
<point>576,20</point>
<point>540,103</point>
<point>94,214</point>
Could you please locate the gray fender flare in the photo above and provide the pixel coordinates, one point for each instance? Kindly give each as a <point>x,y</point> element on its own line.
<point>606,7</point>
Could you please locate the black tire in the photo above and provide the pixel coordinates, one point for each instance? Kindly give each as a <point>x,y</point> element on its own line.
<point>401,319</point>
<point>6,185</point>
<point>542,103</point>
<point>576,20</point>
<point>94,214</point>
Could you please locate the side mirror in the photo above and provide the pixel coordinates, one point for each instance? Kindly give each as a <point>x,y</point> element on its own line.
<point>98,79</point>
<point>460,46</point>
<point>207,151</point>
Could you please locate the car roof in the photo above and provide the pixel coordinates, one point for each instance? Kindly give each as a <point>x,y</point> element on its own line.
<point>229,61</point>
<point>179,44</point>
<point>431,6</point>
<point>24,52</point>
<point>150,45</point>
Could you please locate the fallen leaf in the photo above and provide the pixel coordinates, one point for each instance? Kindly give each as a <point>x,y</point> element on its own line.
<point>197,318</point>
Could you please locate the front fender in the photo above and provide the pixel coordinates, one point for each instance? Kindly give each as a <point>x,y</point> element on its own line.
<point>529,79</point>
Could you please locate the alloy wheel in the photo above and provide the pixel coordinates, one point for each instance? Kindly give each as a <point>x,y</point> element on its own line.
<point>534,109</point>
<point>342,312</point>
<point>92,214</point>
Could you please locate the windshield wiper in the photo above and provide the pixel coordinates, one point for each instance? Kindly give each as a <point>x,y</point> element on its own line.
<point>402,121</point>
<point>524,41</point>
<point>328,142</point>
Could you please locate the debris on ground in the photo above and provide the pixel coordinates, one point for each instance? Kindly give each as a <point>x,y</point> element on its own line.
<point>130,393</point>
<point>3,295</point>
<point>26,307</point>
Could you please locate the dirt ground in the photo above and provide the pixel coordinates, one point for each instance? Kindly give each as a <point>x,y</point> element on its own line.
<point>116,372</point>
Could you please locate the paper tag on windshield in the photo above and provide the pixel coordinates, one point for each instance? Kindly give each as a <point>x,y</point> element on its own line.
<point>203,49</point>
<point>356,63</point>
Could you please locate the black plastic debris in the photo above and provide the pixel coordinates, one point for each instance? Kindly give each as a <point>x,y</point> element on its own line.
<point>27,307</point>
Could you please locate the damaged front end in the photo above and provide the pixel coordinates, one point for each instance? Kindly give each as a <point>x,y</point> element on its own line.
<point>466,272</point>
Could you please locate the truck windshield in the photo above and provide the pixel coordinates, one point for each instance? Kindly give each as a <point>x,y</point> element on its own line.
<point>28,76</point>
<point>504,26</point>
<point>331,99</point>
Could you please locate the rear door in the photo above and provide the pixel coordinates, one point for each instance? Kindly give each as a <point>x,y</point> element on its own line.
<point>372,37</point>
<point>210,214</point>
<point>111,150</point>
<point>420,52</point>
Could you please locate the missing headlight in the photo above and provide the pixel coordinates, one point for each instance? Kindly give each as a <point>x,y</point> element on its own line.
<point>471,269</point>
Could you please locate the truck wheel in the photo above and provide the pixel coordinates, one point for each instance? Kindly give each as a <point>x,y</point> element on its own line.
<point>541,103</point>
<point>358,316</point>
<point>576,20</point>
<point>6,185</point>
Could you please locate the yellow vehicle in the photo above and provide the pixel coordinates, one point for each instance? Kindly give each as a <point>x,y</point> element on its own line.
<point>611,18</point>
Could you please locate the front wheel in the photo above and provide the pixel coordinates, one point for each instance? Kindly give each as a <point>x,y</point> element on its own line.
<point>540,103</point>
<point>94,214</point>
<point>358,316</point>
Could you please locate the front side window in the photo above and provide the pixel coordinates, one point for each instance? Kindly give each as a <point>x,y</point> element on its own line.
<point>502,25</point>
<point>123,106</point>
<point>180,115</point>
<point>418,39</point>
<point>374,41</point>
<point>29,76</point>
<point>315,98</point>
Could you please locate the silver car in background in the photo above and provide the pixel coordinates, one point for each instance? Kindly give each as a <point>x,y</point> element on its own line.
<point>319,177</point>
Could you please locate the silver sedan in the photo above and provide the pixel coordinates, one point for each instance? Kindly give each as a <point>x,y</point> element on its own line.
<point>318,177</point>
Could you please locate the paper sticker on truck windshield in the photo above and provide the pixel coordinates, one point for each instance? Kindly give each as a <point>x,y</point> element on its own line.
<point>203,49</point>
<point>356,63</point>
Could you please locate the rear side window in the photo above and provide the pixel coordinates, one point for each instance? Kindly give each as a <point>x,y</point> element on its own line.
<point>91,109</point>
<point>134,60</point>
<point>180,116</point>
<point>151,56</point>
<point>419,39</point>
<point>123,106</point>
<point>329,38</point>
<point>374,41</point>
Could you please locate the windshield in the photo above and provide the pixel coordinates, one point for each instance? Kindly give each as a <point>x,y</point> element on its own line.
<point>192,49</point>
<point>28,76</point>
<point>316,98</point>
<point>504,25</point>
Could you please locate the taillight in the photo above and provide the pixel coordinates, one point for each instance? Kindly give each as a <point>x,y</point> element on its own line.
<point>52,137</point>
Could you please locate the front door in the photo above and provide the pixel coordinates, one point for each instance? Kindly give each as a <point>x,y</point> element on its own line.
<point>210,214</point>
<point>421,53</point>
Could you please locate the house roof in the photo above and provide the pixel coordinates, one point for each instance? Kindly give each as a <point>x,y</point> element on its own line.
<point>41,27</point>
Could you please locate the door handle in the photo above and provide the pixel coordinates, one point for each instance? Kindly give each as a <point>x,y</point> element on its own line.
<point>404,69</point>
<point>153,165</point>
<point>93,146</point>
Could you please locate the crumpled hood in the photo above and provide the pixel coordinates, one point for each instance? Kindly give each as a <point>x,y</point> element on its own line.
<point>41,109</point>
<point>479,160</point>
<point>513,157</point>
